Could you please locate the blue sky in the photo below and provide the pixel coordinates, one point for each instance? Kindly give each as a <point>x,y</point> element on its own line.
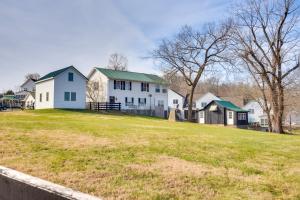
<point>45,35</point>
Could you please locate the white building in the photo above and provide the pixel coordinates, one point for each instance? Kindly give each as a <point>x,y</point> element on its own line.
<point>205,100</point>
<point>64,88</point>
<point>176,101</point>
<point>25,94</point>
<point>256,114</point>
<point>28,85</point>
<point>135,91</point>
<point>29,101</point>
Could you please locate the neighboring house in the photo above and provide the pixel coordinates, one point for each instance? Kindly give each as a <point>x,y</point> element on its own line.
<point>292,118</point>
<point>135,91</point>
<point>28,85</point>
<point>176,101</point>
<point>205,100</point>
<point>26,89</point>
<point>256,114</point>
<point>29,100</point>
<point>64,88</point>
<point>223,112</point>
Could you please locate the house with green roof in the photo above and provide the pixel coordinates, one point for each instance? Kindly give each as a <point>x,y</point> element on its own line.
<point>135,91</point>
<point>224,113</point>
<point>62,88</point>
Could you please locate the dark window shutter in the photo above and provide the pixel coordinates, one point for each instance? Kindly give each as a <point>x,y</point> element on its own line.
<point>139,100</point>
<point>130,87</point>
<point>147,87</point>
<point>115,84</point>
<point>125,99</point>
<point>141,86</point>
<point>132,100</point>
<point>145,100</point>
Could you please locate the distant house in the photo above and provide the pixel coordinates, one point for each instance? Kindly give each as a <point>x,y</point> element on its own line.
<point>205,100</point>
<point>26,93</point>
<point>176,101</point>
<point>64,88</point>
<point>256,115</point>
<point>135,91</point>
<point>224,113</point>
<point>292,118</point>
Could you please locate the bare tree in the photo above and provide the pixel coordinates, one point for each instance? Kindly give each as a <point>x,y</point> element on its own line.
<point>34,76</point>
<point>266,42</point>
<point>192,52</point>
<point>95,90</point>
<point>117,62</point>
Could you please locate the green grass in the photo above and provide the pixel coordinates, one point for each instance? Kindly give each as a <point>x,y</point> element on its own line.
<point>129,157</point>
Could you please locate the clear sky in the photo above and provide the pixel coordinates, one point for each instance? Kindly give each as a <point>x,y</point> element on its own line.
<point>39,36</point>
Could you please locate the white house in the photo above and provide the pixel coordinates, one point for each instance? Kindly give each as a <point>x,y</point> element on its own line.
<point>29,100</point>
<point>205,100</point>
<point>28,85</point>
<point>256,114</point>
<point>176,101</point>
<point>135,91</point>
<point>64,88</point>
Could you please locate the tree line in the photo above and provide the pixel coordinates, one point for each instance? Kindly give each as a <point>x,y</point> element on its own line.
<point>260,39</point>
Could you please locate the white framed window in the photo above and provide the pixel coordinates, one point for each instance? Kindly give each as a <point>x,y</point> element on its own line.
<point>230,114</point>
<point>157,88</point>
<point>129,101</point>
<point>164,90</point>
<point>73,96</point>
<point>142,101</point>
<point>203,104</point>
<point>145,87</point>
<point>67,96</point>
<point>71,76</point>
<point>264,122</point>
<point>201,114</point>
<point>175,101</point>
<point>160,103</point>
<point>242,116</point>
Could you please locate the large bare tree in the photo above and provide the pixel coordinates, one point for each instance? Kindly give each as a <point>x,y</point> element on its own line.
<point>266,41</point>
<point>117,62</point>
<point>192,52</point>
<point>34,76</point>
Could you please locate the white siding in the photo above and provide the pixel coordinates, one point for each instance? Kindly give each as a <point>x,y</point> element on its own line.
<point>29,85</point>
<point>42,88</point>
<point>258,112</point>
<point>137,93</point>
<point>172,96</point>
<point>206,99</point>
<point>62,85</point>
<point>101,94</point>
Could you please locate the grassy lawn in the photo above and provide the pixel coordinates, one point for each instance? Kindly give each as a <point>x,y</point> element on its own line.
<point>129,157</point>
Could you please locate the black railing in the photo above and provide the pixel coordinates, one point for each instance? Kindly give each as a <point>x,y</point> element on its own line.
<point>104,106</point>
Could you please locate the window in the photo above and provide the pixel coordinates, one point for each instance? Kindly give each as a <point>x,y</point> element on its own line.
<point>201,114</point>
<point>41,97</point>
<point>129,101</point>
<point>157,89</point>
<point>67,96</point>
<point>122,85</point>
<point>160,103</point>
<point>203,104</point>
<point>25,89</point>
<point>47,96</point>
<point>71,76</point>
<point>264,122</point>
<point>175,101</point>
<point>142,101</point>
<point>73,96</point>
<point>96,85</point>
<point>242,116</point>
<point>251,111</point>
<point>230,114</point>
<point>145,87</point>
<point>164,90</point>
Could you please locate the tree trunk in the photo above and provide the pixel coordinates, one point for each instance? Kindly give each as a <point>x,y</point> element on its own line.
<point>190,108</point>
<point>278,109</point>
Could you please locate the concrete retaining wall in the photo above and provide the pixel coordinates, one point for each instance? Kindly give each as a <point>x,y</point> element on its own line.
<point>15,185</point>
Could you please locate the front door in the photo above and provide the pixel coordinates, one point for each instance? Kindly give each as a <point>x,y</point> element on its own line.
<point>230,120</point>
<point>112,99</point>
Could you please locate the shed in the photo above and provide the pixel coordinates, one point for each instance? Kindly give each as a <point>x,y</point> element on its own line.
<point>224,113</point>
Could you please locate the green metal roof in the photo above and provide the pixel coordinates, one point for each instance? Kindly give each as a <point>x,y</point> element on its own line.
<point>131,76</point>
<point>8,97</point>
<point>54,73</point>
<point>229,105</point>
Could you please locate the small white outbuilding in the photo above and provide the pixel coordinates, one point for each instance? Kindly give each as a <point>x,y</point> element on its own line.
<point>64,88</point>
